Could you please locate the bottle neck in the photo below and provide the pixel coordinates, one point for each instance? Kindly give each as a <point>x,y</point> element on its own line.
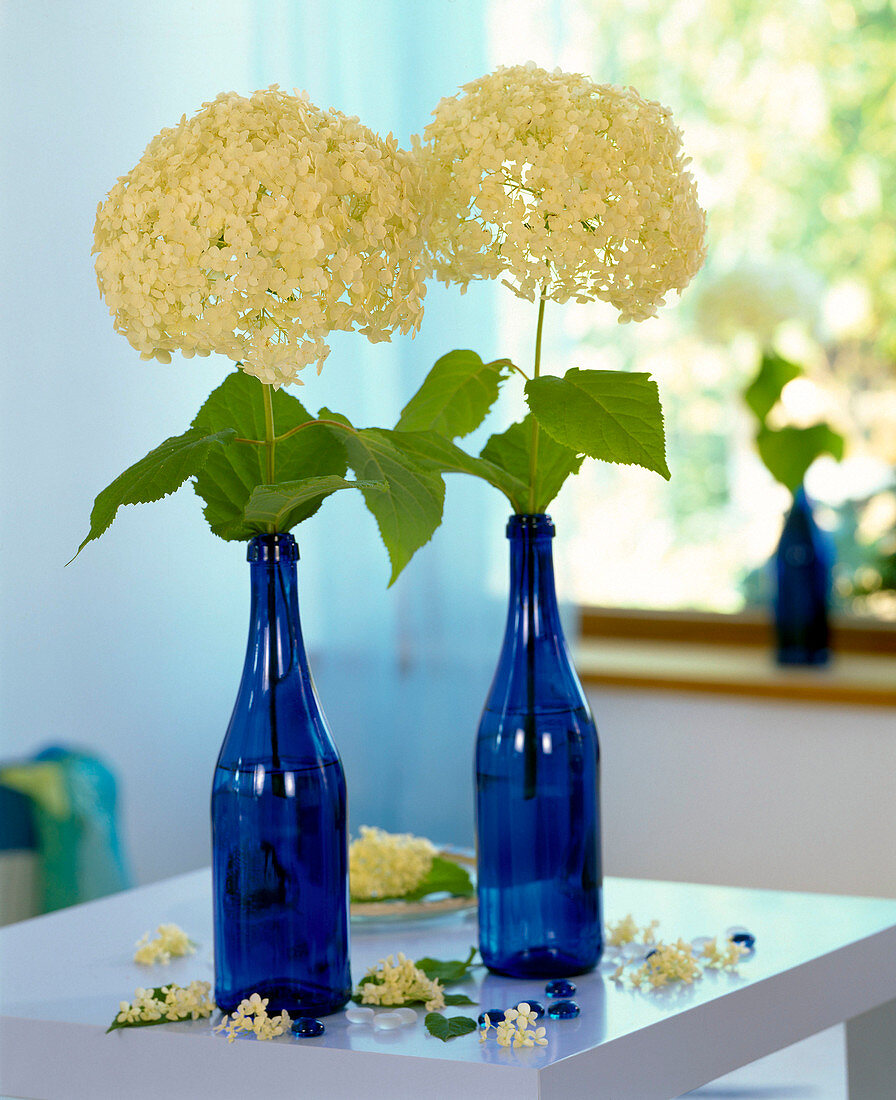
<point>533,613</point>
<point>275,648</point>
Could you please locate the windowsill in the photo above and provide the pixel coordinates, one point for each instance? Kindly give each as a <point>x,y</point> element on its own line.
<point>731,655</point>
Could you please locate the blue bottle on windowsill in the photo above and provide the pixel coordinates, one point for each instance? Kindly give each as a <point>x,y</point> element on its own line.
<point>279,841</point>
<point>803,562</point>
<point>537,786</point>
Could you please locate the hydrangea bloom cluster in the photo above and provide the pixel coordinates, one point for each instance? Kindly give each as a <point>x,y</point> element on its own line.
<point>256,228</point>
<point>518,1028</point>
<point>387,865</point>
<point>572,189</point>
<point>401,983</point>
<point>251,1016</point>
<point>170,942</point>
<point>171,1002</point>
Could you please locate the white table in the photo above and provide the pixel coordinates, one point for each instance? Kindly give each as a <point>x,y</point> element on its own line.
<point>819,960</point>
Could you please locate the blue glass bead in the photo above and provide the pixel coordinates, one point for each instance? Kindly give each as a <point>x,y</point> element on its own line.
<point>496,1015</point>
<point>560,987</point>
<point>563,1010</point>
<point>306,1027</point>
<point>537,1007</point>
<point>745,939</point>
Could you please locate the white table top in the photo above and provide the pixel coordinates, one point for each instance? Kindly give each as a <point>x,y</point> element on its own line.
<point>819,960</point>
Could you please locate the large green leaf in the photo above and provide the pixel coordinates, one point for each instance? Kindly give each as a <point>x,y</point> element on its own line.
<point>408,507</point>
<point>274,504</point>
<point>763,392</point>
<point>511,451</point>
<point>447,970</point>
<point>789,452</point>
<point>611,415</point>
<point>159,473</point>
<point>455,396</point>
<point>435,451</point>
<point>228,479</point>
<point>448,1027</point>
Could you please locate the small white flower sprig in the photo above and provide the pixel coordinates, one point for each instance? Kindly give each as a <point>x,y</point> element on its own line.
<point>170,942</point>
<point>572,189</point>
<point>667,963</point>
<point>251,1017</point>
<point>256,228</point>
<point>402,983</point>
<point>165,1004</point>
<point>517,1029</point>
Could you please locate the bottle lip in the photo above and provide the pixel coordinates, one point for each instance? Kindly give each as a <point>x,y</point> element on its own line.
<point>538,523</point>
<point>269,549</point>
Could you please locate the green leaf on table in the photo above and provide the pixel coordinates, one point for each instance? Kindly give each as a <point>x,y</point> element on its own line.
<point>159,473</point>
<point>434,451</point>
<point>408,506</point>
<point>444,876</point>
<point>458,999</point>
<point>273,504</point>
<point>455,396</point>
<point>228,479</point>
<point>763,392</point>
<point>511,450</point>
<point>447,971</point>
<point>789,452</point>
<point>448,1027</point>
<point>611,415</point>
<point>158,994</point>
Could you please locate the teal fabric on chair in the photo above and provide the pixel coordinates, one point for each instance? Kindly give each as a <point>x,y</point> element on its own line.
<point>73,802</point>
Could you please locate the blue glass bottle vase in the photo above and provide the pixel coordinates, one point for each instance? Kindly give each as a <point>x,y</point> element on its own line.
<point>537,786</point>
<point>279,840</point>
<point>803,563</point>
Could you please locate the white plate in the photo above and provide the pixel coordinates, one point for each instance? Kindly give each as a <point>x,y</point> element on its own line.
<point>436,905</point>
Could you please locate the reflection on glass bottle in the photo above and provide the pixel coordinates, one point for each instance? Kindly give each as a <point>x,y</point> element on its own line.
<point>537,785</point>
<point>803,563</point>
<point>279,842</point>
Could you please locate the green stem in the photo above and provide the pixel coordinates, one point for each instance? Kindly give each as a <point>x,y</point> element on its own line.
<point>270,438</point>
<point>533,450</point>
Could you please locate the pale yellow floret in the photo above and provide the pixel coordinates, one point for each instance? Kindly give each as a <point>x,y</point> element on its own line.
<point>400,983</point>
<point>174,1003</point>
<point>725,957</point>
<point>170,942</point>
<point>385,864</point>
<point>567,188</point>
<point>673,962</point>
<point>251,1015</point>
<point>517,1029</point>
<point>256,228</point>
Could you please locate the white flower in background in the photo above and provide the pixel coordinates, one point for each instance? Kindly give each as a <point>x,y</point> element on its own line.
<point>256,228</point>
<point>384,865</point>
<point>571,188</point>
<point>756,299</point>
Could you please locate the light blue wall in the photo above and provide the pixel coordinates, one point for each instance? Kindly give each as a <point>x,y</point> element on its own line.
<point>134,651</point>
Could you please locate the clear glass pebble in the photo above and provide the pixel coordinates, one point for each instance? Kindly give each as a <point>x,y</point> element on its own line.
<point>560,987</point>
<point>731,932</point>
<point>387,1021</point>
<point>563,1010</point>
<point>306,1027</point>
<point>358,1015</point>
<point>408,1015</point>
<point>699,942</point>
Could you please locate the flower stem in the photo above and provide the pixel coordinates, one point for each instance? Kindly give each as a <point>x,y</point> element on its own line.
<point>533,450</point>
<point>270,439</point>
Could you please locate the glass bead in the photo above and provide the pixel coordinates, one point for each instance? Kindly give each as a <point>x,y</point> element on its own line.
<point>563,1010</point>
<point>537,1007</point>
<point>387,1021</point>
<point>495,1015</point>
<point>560,987</point>
<point>408,1015</point>
<point>359,1015</point>
<point>745,939</point>
<point>306,1027</point>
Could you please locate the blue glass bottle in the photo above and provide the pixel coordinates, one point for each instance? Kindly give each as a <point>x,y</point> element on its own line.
<point>803,563</point>
<point>537,786</point>
<point>279,841</point>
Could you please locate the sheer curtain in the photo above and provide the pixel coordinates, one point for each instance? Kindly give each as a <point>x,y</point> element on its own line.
<point>134,651</point>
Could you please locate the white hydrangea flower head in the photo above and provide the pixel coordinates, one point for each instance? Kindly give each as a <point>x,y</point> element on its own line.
<point>256,228</point>
<point>565,187</point>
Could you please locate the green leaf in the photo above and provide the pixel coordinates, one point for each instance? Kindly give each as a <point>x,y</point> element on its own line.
<point>435,451</point>
<point>408,508</point>
<point>611,415</point>
<point>228,480</point>
<point>455,396</point>
<point>156,475</point>
<point>158,994</point>
<point>510,450</point>
<point>763,392</point>
<point>458,999</point>
<point>273,504</point>
<point>448,1027</point>
<point>444,876</point>
<point>789,452</point>
<point>447,971</point>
